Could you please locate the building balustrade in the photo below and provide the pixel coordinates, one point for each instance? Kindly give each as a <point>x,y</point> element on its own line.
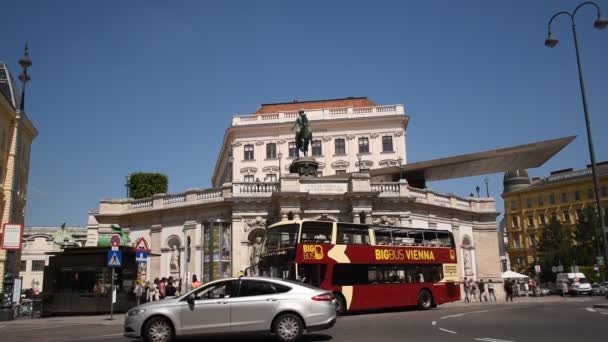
<point>318,114</point>
<point>256,188</point>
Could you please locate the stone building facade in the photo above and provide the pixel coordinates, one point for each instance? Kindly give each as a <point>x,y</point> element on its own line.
<point>252,189</point>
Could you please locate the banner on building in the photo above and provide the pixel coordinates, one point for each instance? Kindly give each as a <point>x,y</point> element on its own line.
<point>11,236</point>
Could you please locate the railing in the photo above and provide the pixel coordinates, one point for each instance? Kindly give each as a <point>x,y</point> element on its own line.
<point>419,193</point>
<point>254,188</point>
<point>142,203</point>
<point>385,187</point>
<point>209,194</point>
<point>177,198</point>
<point>317,114</point>
<point>442,199</point>
<point>462,203</point>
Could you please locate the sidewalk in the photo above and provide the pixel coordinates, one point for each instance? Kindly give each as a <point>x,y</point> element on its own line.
<point>119,319</point>
<point>545,299</point>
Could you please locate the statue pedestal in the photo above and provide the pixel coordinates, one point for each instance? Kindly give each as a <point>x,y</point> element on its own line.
<point>304,166</point>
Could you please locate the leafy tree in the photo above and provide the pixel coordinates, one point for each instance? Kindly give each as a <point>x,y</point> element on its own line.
<point>555,245</point>
<point>585,236</point>
<point>144,184</point>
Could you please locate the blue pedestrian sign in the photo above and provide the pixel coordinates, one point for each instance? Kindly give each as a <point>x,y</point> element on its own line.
<point>141,257</point>
<point>114,259</point>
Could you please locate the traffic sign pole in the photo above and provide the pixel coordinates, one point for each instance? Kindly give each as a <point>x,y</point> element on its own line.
<point>112,298</point>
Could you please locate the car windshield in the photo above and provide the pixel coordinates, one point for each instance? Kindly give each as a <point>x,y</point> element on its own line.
<point>583,281</point>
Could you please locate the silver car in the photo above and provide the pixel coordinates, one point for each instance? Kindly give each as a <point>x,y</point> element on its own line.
<point>245,304</point>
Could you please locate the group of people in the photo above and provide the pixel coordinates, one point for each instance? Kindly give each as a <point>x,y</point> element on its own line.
<point>157,290</point>
<point>473,289</point>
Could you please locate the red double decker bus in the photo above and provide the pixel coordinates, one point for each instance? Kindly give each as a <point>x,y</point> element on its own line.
<point>365,266</point>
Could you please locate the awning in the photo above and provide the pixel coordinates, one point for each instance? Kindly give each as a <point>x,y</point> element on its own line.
<point>513,275</point>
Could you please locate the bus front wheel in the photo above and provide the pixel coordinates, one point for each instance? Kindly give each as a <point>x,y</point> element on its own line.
<point>425,300</point>
<point>340,304</point>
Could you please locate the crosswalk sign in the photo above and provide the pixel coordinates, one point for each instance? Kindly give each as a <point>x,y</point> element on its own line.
<point>141,257</point>
<point>114,259</point>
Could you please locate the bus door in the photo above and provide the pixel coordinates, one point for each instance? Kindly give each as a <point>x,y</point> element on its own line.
<point>312,274</point>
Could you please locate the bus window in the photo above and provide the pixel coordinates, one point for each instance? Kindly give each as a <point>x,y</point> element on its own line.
<point>418,238</point>
<point>401,238</point>
<point>311,274</point>
<point>352,235</point>
<point>319,232</point>
<point>430,239</point>
<point>383,236</point>
<point>444,239</point>
<point>281,237</point>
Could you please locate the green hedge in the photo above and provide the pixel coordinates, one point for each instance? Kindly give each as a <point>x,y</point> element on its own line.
<point>143,184</point>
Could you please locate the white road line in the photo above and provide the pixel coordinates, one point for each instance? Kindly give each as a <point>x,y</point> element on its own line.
<point>488,339</point>
<point>110,335</point>
<point>450,316</point>
<point>448,331</point>
<point>604,313</point>
<point>434,323</point>
<point>590,310</point>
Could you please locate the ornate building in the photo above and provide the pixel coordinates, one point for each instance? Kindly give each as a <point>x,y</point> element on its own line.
<point>361,148</point>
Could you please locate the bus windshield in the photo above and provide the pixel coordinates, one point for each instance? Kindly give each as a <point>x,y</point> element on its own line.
<point>283,236</point>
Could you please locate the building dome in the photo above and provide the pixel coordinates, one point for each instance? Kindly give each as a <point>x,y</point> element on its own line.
<point>515,180</point>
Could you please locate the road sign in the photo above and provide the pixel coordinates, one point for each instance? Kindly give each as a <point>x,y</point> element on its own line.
<point>596,268</point>
<point>142,245</point>
<point>141,257</point>
<point>600,260</point>
<point>537,268</point>
<point>11,236</point>
<point>115,240</point>
<point>554,269</point>
<point>114,259</point>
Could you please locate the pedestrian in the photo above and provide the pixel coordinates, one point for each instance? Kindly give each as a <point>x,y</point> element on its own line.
<point>154,295</point>
<point>195,282</point>
<point>482,291</point>
<point>473,290</point>
<point>526,289</point>
<point>533,286</point>
<point>138,291</point>
<point>170,290</point>
<point>162,286</point>
<point>510,286</point>
<point>491,290</point>
<point>564,289</point>
<point>467,290</point>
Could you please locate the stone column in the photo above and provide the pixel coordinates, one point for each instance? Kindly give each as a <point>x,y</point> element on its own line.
<point>368,218</point>
<point>356,217</point>
<point>155,246</point>
<point>240,246</point>
<point>190,232</point>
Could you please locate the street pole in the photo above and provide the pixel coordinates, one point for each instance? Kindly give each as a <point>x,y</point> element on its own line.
<point>112,298</point>
<point>486,180</point>
<point>600,23</point>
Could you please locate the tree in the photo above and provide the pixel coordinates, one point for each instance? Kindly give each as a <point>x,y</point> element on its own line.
<point>585,236</point>
<point>555,245</point>
<point>144,184</point>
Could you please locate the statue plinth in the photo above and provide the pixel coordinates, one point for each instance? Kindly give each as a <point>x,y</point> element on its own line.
<point>304,166</point>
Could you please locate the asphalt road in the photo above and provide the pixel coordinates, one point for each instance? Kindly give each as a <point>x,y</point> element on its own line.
<point>572,319</point>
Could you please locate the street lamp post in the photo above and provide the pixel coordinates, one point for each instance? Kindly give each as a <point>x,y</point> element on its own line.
<point>7,300</point>
<point>486,180</point>
<point>477,189</point>
<point>600,23</point>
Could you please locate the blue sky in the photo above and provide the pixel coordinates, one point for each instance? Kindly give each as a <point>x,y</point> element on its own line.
<point>124,86</point>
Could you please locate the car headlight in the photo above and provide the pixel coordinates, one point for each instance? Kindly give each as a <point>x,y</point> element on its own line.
<point>136,312</point>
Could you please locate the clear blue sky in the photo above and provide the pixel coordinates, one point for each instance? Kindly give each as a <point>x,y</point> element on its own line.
<point>123,86</point>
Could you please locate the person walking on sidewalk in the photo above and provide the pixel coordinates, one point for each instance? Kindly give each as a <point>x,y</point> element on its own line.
<point>467,290</point>
<point>482,291</point>
<point>509,290</point>
<point>491,290</point>
<point>473,290</point>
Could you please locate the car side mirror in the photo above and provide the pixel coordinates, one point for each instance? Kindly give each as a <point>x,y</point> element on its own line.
<point>190,299</point>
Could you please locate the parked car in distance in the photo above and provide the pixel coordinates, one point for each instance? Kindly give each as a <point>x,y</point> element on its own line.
<point>599,289</point>
<point>244,304</point>
<point>577,283</point>
<point>543,291</point>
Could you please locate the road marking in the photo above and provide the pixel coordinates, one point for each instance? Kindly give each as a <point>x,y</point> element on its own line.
<point>464,313</point>
<point>488,339</point>
<point>590,310</point>
<point>110,335</point>
<point>450,316</point>
<point>434,323</point>
<point>2,326</point>
<point>448,331</point>
<point>604,313</point>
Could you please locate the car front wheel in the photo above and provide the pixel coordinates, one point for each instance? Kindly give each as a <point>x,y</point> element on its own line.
<point>288,327</point>
<point>158,329</point>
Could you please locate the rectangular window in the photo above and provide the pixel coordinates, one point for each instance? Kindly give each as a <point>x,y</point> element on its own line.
<point>23,266</point>
<point>319,173</point>
<point>529,202</point>
<point>552,199</point>
<point>248,152</point>
<point>271,151</point>
<point>554,215</point>
<point>590,193</point>
<point>340,146</point>
<point>541,201</point>
<point>249,178</point>
<point>516,241</point>
<point>352,235</point>
<point>564,197</point>
<point>579,215</point>
<point>363,145</point>
<point>566,216</point>
<point>340,172</point>
<point>387,143</point>
<point>513,205</point>
<point>531,221</point>
<point>319,232</point>
<point>515,222</point>
<point>577,195</point>
<point>317,149</point>
<point>543,220</point>
<point>271,177</point>
<point>292,149</point>
<point>37,265</point>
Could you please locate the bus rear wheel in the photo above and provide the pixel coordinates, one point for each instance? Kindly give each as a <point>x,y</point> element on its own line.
<point>340,304</point>
<point>425,300</point>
